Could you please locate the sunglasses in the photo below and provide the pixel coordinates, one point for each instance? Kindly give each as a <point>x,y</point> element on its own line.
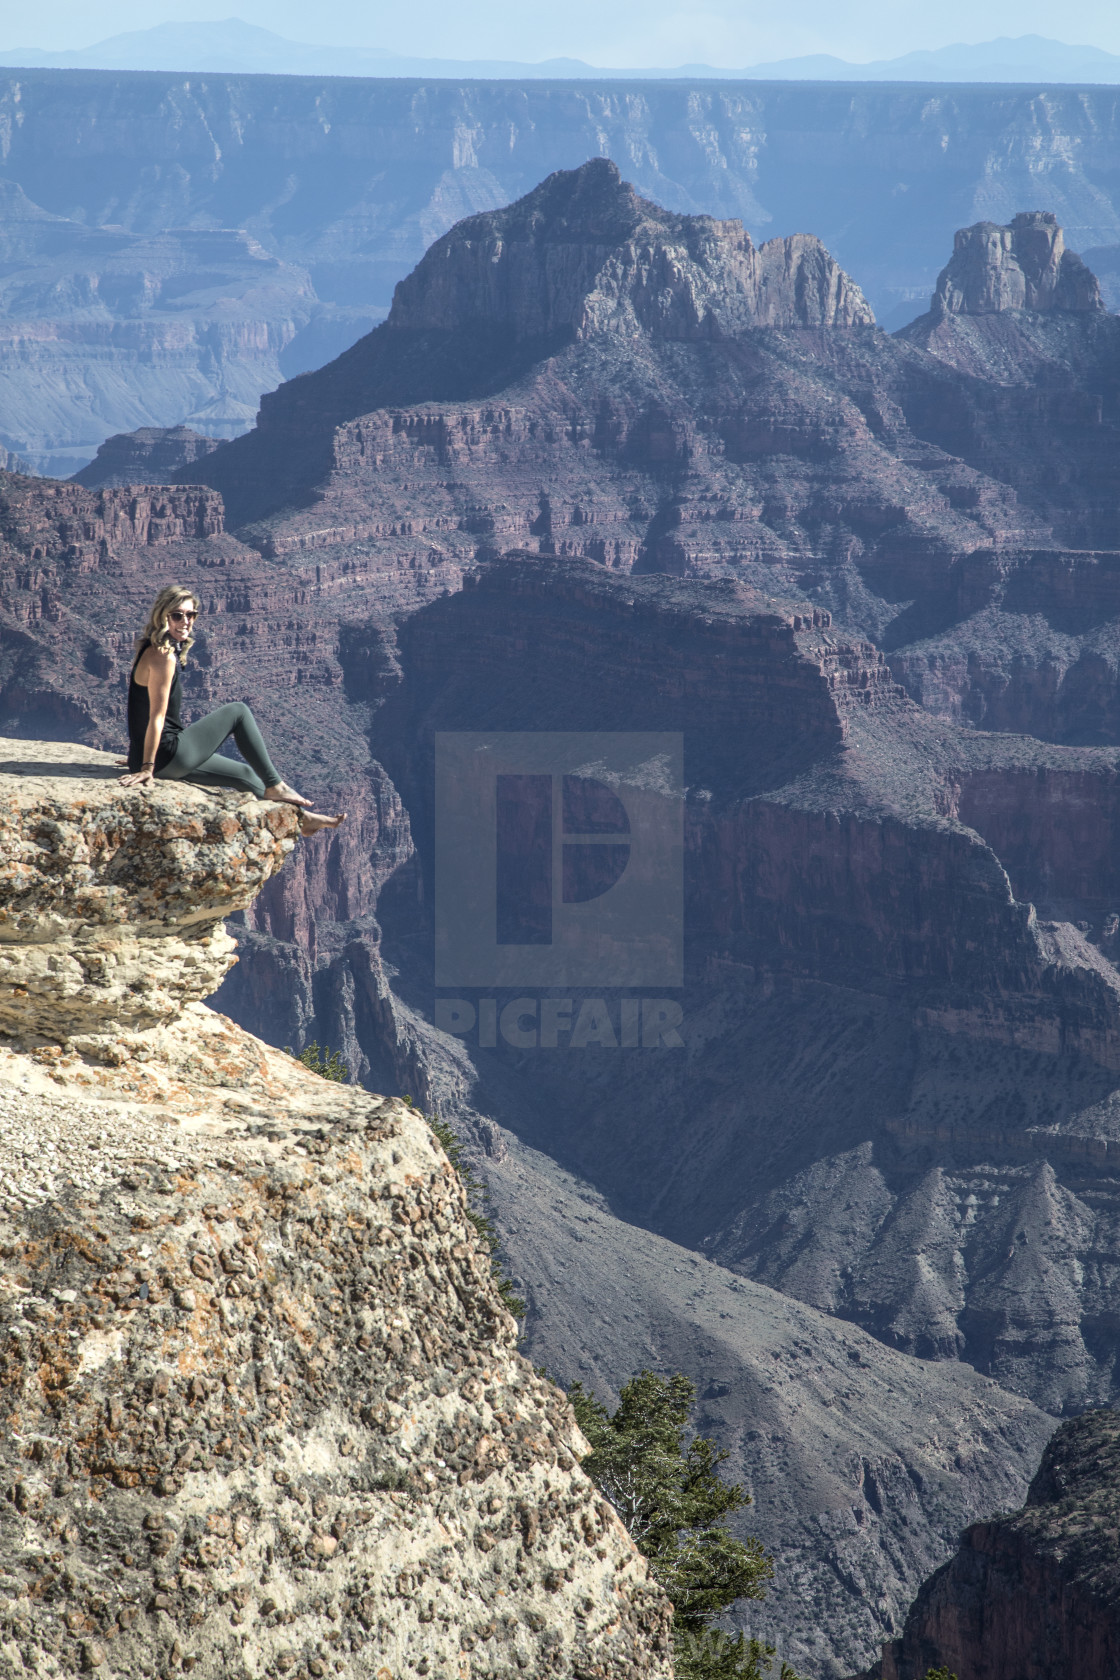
<point>179,617</point>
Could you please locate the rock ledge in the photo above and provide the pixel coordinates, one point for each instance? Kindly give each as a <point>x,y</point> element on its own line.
<point>265,1414</point>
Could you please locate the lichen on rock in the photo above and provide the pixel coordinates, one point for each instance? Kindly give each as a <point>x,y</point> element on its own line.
<point>264,1409</point>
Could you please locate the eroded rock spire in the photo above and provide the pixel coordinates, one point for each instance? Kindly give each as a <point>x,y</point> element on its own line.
<point>1024,265</point>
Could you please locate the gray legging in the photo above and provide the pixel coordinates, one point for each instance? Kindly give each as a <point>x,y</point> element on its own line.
<point>197,753</point>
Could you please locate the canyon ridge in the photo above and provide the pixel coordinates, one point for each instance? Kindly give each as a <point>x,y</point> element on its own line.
<point>173,246</point>
<point>607,468</point>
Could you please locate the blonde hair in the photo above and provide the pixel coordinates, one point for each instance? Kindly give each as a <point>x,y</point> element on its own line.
<point>155,630</point>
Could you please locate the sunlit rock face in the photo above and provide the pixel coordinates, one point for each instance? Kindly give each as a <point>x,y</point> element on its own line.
<point>1022,266</point>
<point>266,1413</point>
<point>111,908</point>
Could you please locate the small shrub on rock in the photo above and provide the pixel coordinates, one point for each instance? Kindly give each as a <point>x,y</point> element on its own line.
<point>327,1063</point>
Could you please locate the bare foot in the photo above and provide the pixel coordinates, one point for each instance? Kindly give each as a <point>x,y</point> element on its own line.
<point>285,795</point>
<point>310,822</point>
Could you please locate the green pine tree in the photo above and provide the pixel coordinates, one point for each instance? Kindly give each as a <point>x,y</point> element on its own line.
<point>675,1507</point>
<point>326,1062</point>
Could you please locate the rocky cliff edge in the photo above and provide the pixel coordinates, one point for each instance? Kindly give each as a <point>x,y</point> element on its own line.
<point>264,1413</point>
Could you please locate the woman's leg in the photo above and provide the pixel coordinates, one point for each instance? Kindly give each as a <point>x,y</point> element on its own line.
<point>225,772</point>
<point>196,754</point>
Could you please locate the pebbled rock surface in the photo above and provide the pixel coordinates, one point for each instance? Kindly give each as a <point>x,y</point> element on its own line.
<point>265,1414</point>
<point>110,917</point>
<point>1036,1592</point>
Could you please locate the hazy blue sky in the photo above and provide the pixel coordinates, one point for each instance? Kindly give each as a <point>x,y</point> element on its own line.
<point>617,32</point>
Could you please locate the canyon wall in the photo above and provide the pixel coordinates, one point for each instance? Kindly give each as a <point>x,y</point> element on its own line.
<point>820,798</point>
<point>177,246</point>
<point>893,1099</point>
<point>78,527</point>
<point>785,158</point>
<point>103,328</point>
<point>1034,1592</point>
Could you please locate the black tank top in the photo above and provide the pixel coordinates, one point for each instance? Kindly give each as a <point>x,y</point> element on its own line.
<point>139,714</point>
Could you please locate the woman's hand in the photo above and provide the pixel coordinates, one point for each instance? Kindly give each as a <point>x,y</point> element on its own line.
<point>137,778</point>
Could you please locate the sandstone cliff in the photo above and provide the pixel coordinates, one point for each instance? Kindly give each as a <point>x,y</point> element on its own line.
<point>1035,1592</point>
<point>81,528</point>
<point>265,1413</point>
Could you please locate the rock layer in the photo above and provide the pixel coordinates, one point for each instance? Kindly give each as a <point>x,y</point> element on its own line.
<point>111,912</point>
<point>267,1414</point>
<point>150,455</point>
<point>117,179</point>
<point>582,253</point>
<point>584,373</point>
<point>44,522</point>
<point>102,328</point>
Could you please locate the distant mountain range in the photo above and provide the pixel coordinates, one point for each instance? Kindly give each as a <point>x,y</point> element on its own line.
<point>238,48</point>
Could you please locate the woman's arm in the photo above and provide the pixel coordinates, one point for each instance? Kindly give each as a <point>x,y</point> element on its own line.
<point>161,674</point>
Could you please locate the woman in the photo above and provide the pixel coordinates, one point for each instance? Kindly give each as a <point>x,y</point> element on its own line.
<point>158,743</point>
